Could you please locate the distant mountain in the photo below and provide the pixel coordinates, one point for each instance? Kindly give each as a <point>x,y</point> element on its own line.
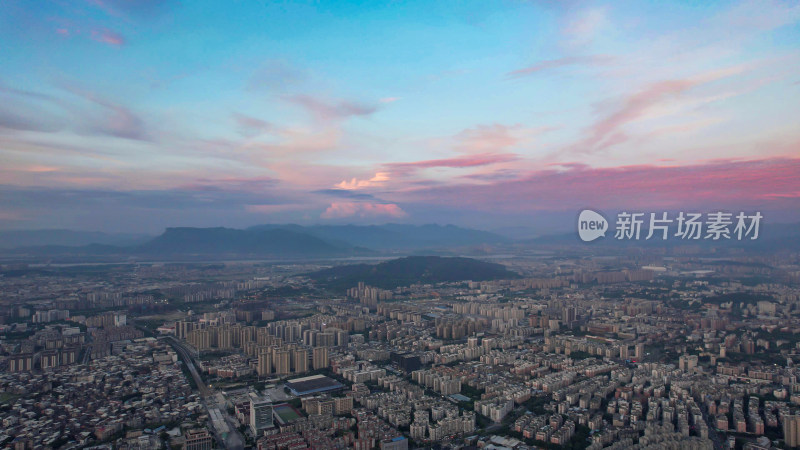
<point>221,241</point>
<point>66,238</point>
<point>411,270</point>
<point>201,243</point>
<point>396,236</point>
<point>260,241</point>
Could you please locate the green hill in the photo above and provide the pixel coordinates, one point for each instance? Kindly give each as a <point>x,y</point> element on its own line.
<point>410,270</point>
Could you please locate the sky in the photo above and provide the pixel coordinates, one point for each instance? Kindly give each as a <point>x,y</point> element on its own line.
<point>136,115</point>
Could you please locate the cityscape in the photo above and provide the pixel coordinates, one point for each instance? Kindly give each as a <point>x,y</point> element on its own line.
<point>447,225</point>
<point>598,349</point>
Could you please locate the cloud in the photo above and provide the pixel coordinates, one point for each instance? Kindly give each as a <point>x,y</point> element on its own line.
<point>760,15</point>
<point>20,121</point>
<point>115,120</point>
<point>5,89</point>
<point>594,60</point>
<point>272,209</point>
<point>715,184</point>
<point>341,210</point>
<point>276,75</point>
<point>341,193</point>
<point>107,36</point>
<point>251,126</point>
<point>583,26</point>
<point>292,141</point>
<point>354,183</point>
<point>459,162</point>
<point>149,210</point>
<point>131,8</point>
<point>232,184</point>
<point>494,138</point>
<point>331,110</point>
<point>648,102</point>
<point>67,28</point>
<point>495,175</point>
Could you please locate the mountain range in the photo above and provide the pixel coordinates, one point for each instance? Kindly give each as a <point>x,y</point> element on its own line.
<point>263,241</point>
<point>327,241</point>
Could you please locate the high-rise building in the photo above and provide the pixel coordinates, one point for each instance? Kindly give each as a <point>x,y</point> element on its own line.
<point>326,339</point>
<point>310,337</point>
<point>49,359</point>
<point>343,405</point>
<point>300,360</point>
<point>260,414</point>
<point>687,362</point>
<point>22,362</point>
<point>368,295</point>
<point>791,430</point>
<point>568,315</point>
<point>283,362</point>
<point>342,338</point>
<point>264,363</point>
<point>320,358</point>
<point>197,439</point>
<point>639,351</point>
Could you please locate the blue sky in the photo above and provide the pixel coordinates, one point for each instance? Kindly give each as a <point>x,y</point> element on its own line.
<point>125,115</point>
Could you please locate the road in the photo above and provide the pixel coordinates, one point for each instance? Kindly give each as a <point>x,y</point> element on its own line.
<point>233,440</point>
<point>87,355</point>
<point>712,432</point>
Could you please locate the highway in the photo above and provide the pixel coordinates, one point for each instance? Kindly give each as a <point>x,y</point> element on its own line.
<point>87,355</point>
<point>226,433</point>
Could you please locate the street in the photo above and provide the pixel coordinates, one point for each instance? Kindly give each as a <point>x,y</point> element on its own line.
<point>230,438</point>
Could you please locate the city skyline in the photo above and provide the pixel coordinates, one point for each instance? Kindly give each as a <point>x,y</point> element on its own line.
<point>135,116</point>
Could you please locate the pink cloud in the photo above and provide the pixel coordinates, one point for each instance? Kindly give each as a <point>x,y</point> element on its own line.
<point>488,138</point>
<point>583,26</point>
<point>251,126</point>
<point>340,210</point>
<point>116,119</point>
<point>294,141</point>
<point>107,36</point>
<point>716,184</point>
<point>12,216</point>
<point>39,169</point>
<point>113,119</point>
<point>270,209</point>
<point>354,183</point>
<point>130,8</point>
<point>232,184</point>
<point>459,162</point>
<point>609,129</point>
<point>331,110</point>
<point>594,60</point>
